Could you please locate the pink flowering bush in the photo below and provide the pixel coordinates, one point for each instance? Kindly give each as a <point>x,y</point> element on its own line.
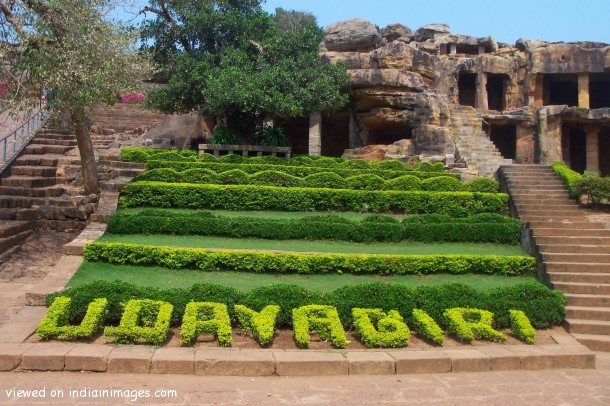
<point>132,98</point>
<point>5,88</point>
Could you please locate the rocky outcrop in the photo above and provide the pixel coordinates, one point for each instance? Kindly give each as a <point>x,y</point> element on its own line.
<point>386,77</point>
<point>568,58</point>
<point>430,31</point>
<point>392,32</point>
<point>352,35</point>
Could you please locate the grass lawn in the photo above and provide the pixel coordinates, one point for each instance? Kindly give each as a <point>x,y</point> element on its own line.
<point>266,214</point>
<point>244,282</point>
<point>401,248</point>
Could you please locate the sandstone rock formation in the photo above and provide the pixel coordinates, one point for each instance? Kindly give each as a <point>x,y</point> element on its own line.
<point>352,35</point>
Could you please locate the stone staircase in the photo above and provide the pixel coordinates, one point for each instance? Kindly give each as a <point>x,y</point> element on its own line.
<point>573,253</point>
<point>122,117</point>
<point>472,144</point>
<point>41,188</point>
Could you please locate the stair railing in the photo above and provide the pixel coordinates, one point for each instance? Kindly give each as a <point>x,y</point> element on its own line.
<point>12,144</point>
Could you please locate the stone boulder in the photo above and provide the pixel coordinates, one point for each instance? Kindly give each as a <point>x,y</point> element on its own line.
<point>368,153</point>
<point>401,149</point>
<point>352,35</point>
<point>528,45</point>
<point>394,31</point>
<point>395,55</point>
<point>430,31</point>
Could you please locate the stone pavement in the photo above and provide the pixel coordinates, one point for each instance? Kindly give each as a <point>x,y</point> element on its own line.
<point>557,387</point>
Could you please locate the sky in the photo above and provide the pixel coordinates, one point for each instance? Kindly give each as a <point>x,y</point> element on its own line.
<point>506,20</point>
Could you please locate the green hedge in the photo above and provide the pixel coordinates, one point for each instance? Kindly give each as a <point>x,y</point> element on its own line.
<point>299,171</point>
<point>568,177</point>
<point>249,197</point>
<point>543,306</point>
<point>317,180</point>
<point>269,262</point>
<point>374,228</point>
<point>596,189</point>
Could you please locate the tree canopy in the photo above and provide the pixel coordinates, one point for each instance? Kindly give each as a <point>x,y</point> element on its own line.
<point>71,49</point>
<point>232,59</point>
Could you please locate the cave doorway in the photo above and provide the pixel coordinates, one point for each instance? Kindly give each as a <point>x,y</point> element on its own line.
<point>335,133</point>
<point>504,137</point>
<point>467,89</point>
<point>604,151</point>
<point>388,132</point>
<point>496,91</point>
<point>599,90</point>
<point>297,132</point>
<point>575,147</point>
<point>561,89</point>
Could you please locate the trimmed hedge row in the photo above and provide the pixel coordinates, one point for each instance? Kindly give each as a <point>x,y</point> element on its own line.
<point>299,171</point>
<point>248,197</point>
<point>375,228</point>
<point>568,176</point>
<point>286,262</point>
<point>140,154</point>
<point>320,180</point>
<point>544,307</point>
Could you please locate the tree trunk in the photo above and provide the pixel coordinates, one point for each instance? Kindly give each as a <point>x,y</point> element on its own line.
<point>87,156</point>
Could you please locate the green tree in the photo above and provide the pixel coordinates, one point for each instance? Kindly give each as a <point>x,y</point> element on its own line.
<point>70,48</point>
<point>234,60</point>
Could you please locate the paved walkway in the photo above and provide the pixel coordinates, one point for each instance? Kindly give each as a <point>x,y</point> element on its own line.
<point>548,388</point>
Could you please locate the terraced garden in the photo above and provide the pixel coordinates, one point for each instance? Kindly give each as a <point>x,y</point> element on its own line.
<point>300,232</point>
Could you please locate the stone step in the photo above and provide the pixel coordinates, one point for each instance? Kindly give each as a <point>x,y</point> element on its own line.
<point>9,228</point>
<point>594,327</point>
<point>579,277</point>
<point>115,185</point>
<point>50,130</point>
<point>53,191</point>
<point>52,141</point>
<point>28,181</point>
<point>569,207</point>
<point>584,258</point>
<point>581,225</point>
<point>576,267</point>
<point>45,160</point>
<point>574,249</point>
<point>534,183</point>
<point>583,288</point>
<point>15,202</point>
<point>52,213</point>
<point>588,313</point>
<point>123,165</point>
<point>588,300</point>
<point>552,213</point>
<point>44,171</point>
<point>7,243</point>
<point>55,136</point>
<point>594,342</point>
<point>523,200</point>
<point>41,149</point>
<point>530,189</point>
<point>561,219</point>
<point>570,232</point>
<point>574,240</point>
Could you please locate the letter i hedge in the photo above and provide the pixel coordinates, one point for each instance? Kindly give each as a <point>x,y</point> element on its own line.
<point>427,327</point>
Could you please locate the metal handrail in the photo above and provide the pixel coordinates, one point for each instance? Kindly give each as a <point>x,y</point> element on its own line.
<point>12,144</point>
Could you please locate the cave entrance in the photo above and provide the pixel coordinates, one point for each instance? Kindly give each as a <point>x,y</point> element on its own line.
<point>297,132</point>
<point>335,133</point>
<point>388,132</point>
<point>496,91</point>
<point>599,90</point>
<point>467,89</point>
<point>466,49</point>
<point>574,141</point>
<point>560,89</point>
<point>504,137</point>
<point>604,151</point>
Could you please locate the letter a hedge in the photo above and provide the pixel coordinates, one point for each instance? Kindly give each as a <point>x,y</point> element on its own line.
<point>206,317</point>
<point>322,319</point>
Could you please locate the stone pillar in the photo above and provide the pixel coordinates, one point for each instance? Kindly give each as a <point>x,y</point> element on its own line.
<point>592,148</point>
<point>583,90</point>
<point>538,90</point>
<point>453,49</point>
<point>481,101</point>
<point>525,143</point>
<point>315,133</point>
<point>354,132</point>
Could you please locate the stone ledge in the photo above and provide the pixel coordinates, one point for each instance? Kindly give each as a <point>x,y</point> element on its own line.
<point>242,362</point>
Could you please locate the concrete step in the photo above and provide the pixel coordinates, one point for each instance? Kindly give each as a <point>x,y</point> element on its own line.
<point>28,181</point>
<point>7,243</point>
<point>576,267</point>
<point>9,228</point>
<point>588,300</point>
<point>594,342</point>
<point>44,171</point>
<point>579,277</point>
<point>561,219</point>
<point>578,258</point>
<point>568,207</point>
<point>523,202</point>
<point>53,141</point>
<point>550,212</point>
<point>533,183</point>
<point>574,249</point>
<point>594,327</point>
<point>588,313</point>
<point>581,225</point>
<point>41,149</point>
<point>570,232</point>
<point>583,288</point>
<point>574,240</point>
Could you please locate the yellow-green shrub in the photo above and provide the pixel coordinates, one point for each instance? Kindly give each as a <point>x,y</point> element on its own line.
<point>378,329</point>
<point>206,318</point>
<point>468,324</point>
<point>261,324</point>
<point>322,319</point>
